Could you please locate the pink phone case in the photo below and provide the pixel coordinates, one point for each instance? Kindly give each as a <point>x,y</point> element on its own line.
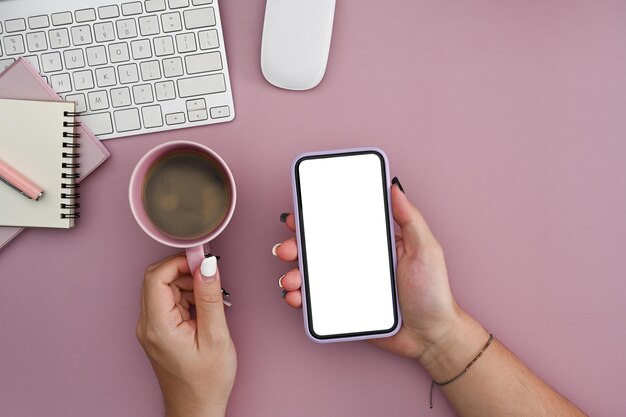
<point>304,289</point>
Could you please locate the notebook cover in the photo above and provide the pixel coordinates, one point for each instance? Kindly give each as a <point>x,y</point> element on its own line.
<point>21,81</point>
<point>34,140</point>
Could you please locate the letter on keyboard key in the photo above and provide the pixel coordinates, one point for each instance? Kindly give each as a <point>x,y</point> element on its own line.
<point>79,99</point>
<point>126,120</point>
<point>199,18</point>
<point>198,86</point>
<point>51,62</point>
<point>99,123</point>
<point>211,61</point>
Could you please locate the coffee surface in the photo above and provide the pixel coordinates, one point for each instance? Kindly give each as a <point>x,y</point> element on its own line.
<point>186,194</point>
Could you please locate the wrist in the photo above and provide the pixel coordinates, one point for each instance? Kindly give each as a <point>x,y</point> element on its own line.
<point>445,357</point>
<point>181,401</point>
<point>193,409</point>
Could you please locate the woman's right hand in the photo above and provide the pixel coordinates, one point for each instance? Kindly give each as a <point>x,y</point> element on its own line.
<point>428,309</point>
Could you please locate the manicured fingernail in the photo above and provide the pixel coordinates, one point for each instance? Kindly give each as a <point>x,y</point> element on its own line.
<point>283,217</point>
<point>274,248</point>
<point>280,280</point>
<point>283,294</point>
<point>208,269</point>
<point>396,181</point>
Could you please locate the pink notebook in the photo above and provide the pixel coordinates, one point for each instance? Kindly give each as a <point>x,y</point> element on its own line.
<point>22,81</point>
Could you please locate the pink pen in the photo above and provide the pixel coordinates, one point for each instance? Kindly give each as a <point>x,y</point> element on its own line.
<point>19,182</point>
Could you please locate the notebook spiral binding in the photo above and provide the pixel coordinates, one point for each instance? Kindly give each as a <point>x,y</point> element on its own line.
<point>70,153</point>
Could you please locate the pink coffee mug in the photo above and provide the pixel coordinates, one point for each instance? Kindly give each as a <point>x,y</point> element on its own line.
<point>195,248</point>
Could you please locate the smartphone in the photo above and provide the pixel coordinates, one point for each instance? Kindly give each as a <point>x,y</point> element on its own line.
<point>346,244</point>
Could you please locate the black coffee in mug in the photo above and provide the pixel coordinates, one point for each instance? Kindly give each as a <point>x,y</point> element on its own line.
<point>186,194</point>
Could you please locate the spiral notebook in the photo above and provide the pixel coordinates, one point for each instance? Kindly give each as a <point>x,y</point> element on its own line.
<point>38,139</point>
<point>21,81</point>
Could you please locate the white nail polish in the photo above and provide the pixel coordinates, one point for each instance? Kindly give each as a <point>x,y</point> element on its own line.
<point>208,268</point>
<point>274,249</point>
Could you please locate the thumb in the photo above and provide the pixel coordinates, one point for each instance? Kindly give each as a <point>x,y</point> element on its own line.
<point>415,231</point>
<point>207,290</point>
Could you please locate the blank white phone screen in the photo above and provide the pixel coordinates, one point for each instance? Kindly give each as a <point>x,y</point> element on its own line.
<point>346,243</point>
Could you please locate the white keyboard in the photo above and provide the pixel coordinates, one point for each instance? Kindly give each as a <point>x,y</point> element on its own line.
<point>132,67</point>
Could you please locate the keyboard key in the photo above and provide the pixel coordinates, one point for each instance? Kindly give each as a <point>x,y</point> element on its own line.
<point>81,35</point>
<point>173,67</point>
<point>150,70</point>
<point>85,15</point>
<point>155,6</point>
<point>5,63</point>
<point>197,115</point>
<point>14,45</point>
<point>61,83</point>
<point>98,100</point>
<point>165,90</point>
<point>38,22</point>
<point>152,116</point>
<point>74,58</point>
<point>142,94</point>
<point>163,45</point>
<point>105,77</point>
<point>51,62</point>
<point>120,97</point>
<point>201,2</point>
<point>15,25</point>
<point>34,61</point>
<point>104,32</point>
<point>185,42</point>
<point>210,61</point>
<point>219,112</point>
<point>141,49</point>
<point>208,39</point>
<point>119,52</point>
<point>171,22</point>
<point>59,38</point>
<point>108,12</point>
<point>79,99</point>
<point>126,28</point>
<point>99,123</point>
<point>128,73</point>
<point>130,9</point>
<point>175,118</point>
<point>127,120</point>
<point>36,41</point>
<point>63,18</point>
<point>197,104</point>
<point>198,86</point>
<point>199,18</point>
<point>178,4</point>
<point>83,80</point>
<point>148,25</point>
<point>96,55</point>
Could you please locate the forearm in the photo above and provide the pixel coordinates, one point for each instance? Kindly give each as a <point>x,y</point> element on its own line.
<point>497,384</point>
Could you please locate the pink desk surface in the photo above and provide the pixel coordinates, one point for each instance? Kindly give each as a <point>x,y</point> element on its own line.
<point>505,121</point>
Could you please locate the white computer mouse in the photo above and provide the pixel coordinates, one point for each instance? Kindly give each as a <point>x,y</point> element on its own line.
<point>296,41</point>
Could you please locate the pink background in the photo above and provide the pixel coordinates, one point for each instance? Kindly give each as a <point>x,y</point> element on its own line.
<point>505,121</point>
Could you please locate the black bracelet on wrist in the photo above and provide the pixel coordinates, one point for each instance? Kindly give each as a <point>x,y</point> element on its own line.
<point>469,365</point>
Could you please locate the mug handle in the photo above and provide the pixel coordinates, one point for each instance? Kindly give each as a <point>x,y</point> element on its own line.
<point>195,256</point>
